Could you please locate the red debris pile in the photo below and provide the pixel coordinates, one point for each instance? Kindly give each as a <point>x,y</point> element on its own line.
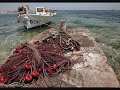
<point>32,61</point>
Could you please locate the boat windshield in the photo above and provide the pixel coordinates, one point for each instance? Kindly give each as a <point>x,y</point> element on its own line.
<point>39,9</point>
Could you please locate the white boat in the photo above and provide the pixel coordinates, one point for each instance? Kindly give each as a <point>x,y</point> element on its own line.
<point>39,17</point>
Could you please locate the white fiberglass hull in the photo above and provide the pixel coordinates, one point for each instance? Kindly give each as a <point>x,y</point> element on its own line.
<point>33,20</point>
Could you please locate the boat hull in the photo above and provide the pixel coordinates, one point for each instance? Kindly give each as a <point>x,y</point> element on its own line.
<point>30,21</point>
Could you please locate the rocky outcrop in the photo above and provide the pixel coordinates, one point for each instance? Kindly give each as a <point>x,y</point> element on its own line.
<point>89,65</point>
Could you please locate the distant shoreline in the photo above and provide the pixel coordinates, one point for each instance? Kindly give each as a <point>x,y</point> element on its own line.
<point>8,13</point>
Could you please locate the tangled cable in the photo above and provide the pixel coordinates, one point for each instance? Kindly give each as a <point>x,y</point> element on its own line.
<point>30,62</point>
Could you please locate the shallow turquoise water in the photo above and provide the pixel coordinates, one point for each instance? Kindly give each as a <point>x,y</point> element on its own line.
<point>105,25</point>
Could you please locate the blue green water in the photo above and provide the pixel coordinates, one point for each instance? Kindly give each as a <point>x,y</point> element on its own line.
<point>104,24</point>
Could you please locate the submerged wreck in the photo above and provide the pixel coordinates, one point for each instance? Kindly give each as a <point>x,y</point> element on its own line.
<point>58,58</point>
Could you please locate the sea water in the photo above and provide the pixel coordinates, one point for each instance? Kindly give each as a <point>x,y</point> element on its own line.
<point>104,25</point>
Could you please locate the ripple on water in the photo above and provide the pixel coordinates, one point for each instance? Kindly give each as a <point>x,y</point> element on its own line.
<point>107,22</point>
